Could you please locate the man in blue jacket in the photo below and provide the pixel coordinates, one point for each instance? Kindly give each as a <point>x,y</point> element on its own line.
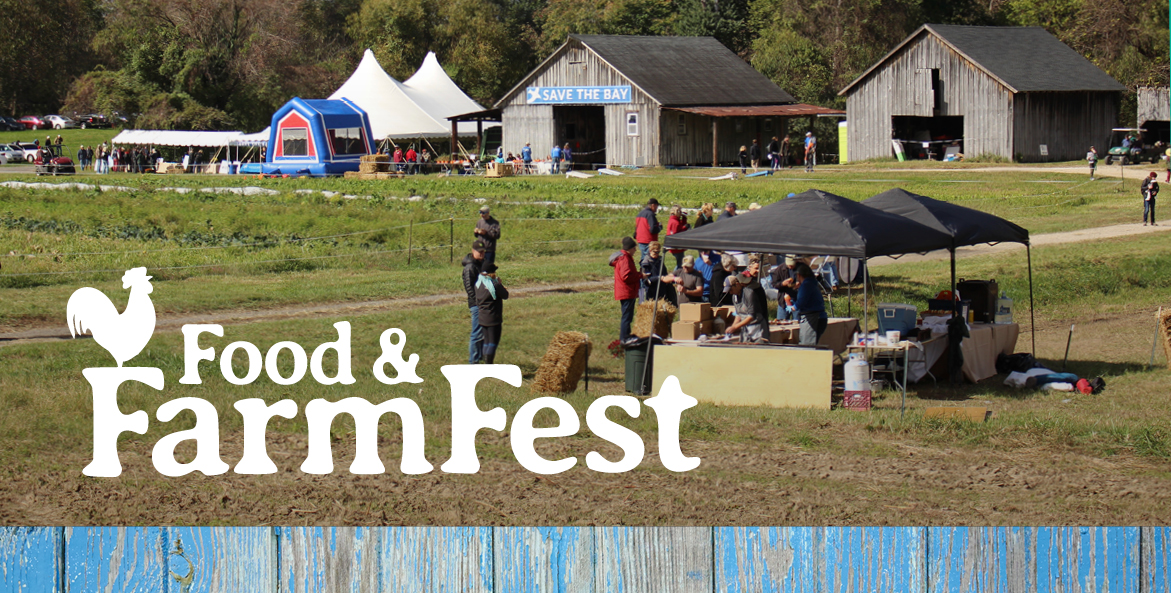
<point>526,155</point>
<point>810,307</point>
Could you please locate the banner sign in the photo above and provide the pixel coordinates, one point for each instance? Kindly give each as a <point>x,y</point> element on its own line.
<point>562,95</point>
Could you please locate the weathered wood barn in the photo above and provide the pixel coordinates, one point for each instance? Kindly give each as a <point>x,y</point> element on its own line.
<point>648,101</point>
<point>1154,104</point>
<point>1012,92</point>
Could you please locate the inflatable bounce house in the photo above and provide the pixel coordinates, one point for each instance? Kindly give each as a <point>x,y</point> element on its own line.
<point>316,137</point>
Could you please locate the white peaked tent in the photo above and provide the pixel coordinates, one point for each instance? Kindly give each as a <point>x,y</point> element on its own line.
<point>417,108</point>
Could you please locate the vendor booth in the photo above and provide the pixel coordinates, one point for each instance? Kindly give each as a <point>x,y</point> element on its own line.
<point>819,223</point>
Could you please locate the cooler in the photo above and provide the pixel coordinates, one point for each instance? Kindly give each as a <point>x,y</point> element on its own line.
<point>896,317</point>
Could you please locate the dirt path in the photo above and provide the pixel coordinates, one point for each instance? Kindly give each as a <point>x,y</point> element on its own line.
<point>235,317</point>
<point>1130,172</point>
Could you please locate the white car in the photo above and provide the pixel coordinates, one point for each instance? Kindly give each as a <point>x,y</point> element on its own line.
<point>15,153</point>
<point>60,122</point>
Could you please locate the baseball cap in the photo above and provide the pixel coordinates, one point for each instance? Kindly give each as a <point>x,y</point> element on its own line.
<point>652,201</point>
<point>689,260</point>
<point>627,243</point>
<point>790,261</point>
<point>484,209</point>
<point>477,245</point>
<point>808,133</point>
<point>743,279</point>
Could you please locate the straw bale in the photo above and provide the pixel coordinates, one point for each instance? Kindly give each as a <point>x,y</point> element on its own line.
<point>375,158</point>
<point>642,318</point>
<point>368,167</point>
<point>1165,333</point>
<point>353,174</point>
<point>564,363</point>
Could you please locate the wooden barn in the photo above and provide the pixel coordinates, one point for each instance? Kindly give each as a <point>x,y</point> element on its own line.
<point>1154,104</point>
<point>1012,92</point>
<point>647,101</point>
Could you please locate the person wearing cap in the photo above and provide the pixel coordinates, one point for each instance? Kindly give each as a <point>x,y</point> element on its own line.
<point>647,227</point>
<point>810,151</point>
<point>626,280</point>
<point>526,155</point>
<point>751,310</point>
<point>490,295</point>
<point>810,306</point>
<point>688,281</point>
<point>729,210</point>
<point>473,262</point>
<point>784,281</point>
<point>488,231</point>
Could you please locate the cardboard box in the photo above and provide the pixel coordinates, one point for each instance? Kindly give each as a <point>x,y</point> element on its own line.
<point>727,313</point>
<point>695,312</point>
<point>784,334</point>
<point>685,330</point>
<point>856,400</point>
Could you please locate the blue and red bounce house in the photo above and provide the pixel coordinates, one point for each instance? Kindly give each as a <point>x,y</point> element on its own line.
<point>316,137</point>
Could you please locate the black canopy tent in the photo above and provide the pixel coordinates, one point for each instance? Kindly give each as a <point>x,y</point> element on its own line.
<point>965,226</point>
<point>816,222</point>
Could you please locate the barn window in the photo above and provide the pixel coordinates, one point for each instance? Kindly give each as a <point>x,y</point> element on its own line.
<point>632,123</point>
<point>347,141</point>
<point>768,125</point>
<point>936,89</point>
<point>295,142</point>
<point>682,129</point>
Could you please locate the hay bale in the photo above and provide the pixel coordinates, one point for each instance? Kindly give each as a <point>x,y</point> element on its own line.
<point>367,167</point>
<point>1165,333</point>
<point>642,318</point>
<point>564,363</point>
<point>375,158</point>
<point>352,175</point>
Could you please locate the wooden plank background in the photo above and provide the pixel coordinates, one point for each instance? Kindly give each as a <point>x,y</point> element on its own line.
<point>585,559</point>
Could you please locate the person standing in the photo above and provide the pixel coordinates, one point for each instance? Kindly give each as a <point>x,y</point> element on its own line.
<point>743,159</point>
<point>688,281</point>
<point>626,281</point>
<point>555,156</point>
<point>1092,160</point>
<point>754,154</point>
<point>1150,189</point>
<point>785,282</point>
<point>774,154</point>
<point>810,307</point>
<point>729,211</point>
<point>786,146</point>
<point>646,227</point>
<point>473,263</point>
<point>810,151</point>
<point>412,160</point>
<point>526,155</point>
<point>1167,160</point>
<point>398,158</point>
<point>567,157</point>
<point>488,232</point>
<point>490,296</point>
<point>657,282</point>
<point>677,223</point>
<point>707,215</point>
<point>751,310</point>
<point>706,265</point>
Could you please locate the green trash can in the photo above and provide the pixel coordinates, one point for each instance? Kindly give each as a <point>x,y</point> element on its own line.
<point>636,359</point>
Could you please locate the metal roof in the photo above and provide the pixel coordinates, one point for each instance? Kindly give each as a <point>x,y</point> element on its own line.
<point>1023,59</point>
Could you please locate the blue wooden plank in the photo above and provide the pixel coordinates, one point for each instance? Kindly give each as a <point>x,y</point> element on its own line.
<point>31,559</point>
<point>1086,559</point>
<point>437,559</point>
<point>984,560</point>
<point>677,559</point>
<point>544,559</point>
<point>115,559</point>
<point>874,559</point>
<point>221,559</point>
<point>329,559</point>
<point>768,559</point>
<point>1156,545</point>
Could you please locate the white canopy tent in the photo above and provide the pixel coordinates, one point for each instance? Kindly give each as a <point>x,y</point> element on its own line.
<point>418,108</point>
<point>258,139</point>
<point>176,138</point>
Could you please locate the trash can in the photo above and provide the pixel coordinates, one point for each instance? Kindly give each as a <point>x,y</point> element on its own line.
<point>638,381</point>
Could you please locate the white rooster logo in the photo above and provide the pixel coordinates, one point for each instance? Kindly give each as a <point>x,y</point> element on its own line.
<point>123,335</point>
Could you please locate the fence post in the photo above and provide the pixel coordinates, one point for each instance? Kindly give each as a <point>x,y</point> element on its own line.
<point>410,240</point>
<point>451,242</point>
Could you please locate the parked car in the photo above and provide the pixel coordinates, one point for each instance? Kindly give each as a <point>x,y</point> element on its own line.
<point>10,124</point>
<point>11,153</point>
<point>51,160</point>
<point>92,120</point>
<point>29,150</point>
<point>32,122</point>
<point>60,122</point>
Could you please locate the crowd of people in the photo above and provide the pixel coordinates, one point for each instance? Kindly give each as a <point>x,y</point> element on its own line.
<point>718,278</point>
<point>778,154</point>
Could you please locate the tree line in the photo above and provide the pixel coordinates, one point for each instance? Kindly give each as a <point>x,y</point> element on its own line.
<point>217,64</point>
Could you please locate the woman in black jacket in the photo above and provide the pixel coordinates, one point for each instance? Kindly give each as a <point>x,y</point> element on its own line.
<point>490,295</point>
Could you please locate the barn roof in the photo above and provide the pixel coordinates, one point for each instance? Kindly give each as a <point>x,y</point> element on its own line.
<point>678,71</point>
<point>1024,59</point>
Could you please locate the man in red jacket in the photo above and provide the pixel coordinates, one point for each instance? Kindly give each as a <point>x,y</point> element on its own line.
<point>626,280</point>
<point>646,227</point>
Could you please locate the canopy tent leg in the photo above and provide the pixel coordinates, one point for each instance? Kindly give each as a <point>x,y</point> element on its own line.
<point>715,145</point>
<point>1032,321</point>
<point>454,136</point>
<point>479,139</point>
<point>650,341</point>
<point>866,299</point>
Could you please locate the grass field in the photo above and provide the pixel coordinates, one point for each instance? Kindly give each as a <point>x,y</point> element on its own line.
<point>1044,458</point>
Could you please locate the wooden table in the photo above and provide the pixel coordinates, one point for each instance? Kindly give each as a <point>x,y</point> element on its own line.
<point>871,352</point>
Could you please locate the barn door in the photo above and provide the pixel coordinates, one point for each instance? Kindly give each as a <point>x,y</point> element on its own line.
<point>924,93</point>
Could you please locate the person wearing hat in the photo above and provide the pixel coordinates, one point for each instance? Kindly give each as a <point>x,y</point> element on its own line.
<point>810,306</point>
<point>647,227</point>
<point>487,230</point>
<point>785,282</point>
<point>657,282</point>
<point>688,281</point>
<point>810,151</point>
<point>626,281</point>
<point>751,310</point>
<point>526,155</point>
<point>473,263</point>
<point>490,295</point>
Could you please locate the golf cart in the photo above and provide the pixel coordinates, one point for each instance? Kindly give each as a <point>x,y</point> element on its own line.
<point>1137,145</point>
<point>51,160</point>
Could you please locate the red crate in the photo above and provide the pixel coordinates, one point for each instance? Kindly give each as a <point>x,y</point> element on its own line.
<point>856,400</point>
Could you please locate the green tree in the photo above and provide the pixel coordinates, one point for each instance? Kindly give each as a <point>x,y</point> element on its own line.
<point>44,50</point>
